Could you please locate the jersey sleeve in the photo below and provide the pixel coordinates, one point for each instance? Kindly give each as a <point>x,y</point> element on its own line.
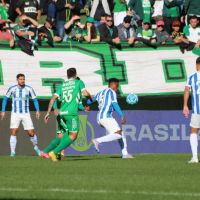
<point>113,97</point>
<point>82,85</point>
<point>189,82</point>
<point>9,92</point>
<point>58,92</point>
<point>32,93</point>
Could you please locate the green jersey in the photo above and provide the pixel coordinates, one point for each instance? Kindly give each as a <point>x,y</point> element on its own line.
<point>69,93</point>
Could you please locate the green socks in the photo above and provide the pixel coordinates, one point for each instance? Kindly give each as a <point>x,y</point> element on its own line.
<point>64,143</point>
<point>54,143</point>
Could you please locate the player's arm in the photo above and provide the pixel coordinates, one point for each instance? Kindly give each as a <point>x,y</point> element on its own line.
<point>4,102</point>
<point>185,101</point>
<point>46,118</point>
<point>81,107</point>
<point>117,107</point>
<point>55,108</point>
<point>35,102</point>
<point>3,109</point>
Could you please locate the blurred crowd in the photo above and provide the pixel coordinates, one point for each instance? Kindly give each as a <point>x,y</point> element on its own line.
<point>30,23</point>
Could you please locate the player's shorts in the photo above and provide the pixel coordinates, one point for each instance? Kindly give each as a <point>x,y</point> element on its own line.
<point>195,121</point>
<point>25,118</point>
<point>68,123</point>
<point>110,124</point>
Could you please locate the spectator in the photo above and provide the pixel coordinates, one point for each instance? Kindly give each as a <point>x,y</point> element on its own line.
<point>3,12</point>
<point>158,9</point>
<point>62,8</point>
<point>12,10</point>
<point>109,32</point>
<point>29,8</point>
<point>51,10</point>
<point>74,29</point>
<point>99,8</point>
<point>179,37</point>
<point>61,17</point>
<point>192,32</point>
<point>146,34</point>
<point>162,35</point>
<point>142,8</point>
<point>126,31</point>
<point>90,32</point>
<point>5,33</point>
<point>120,8</point>
<point>192,8</point>
<point>46,33</point>
<point>26,32</point>
<point>171,12</point>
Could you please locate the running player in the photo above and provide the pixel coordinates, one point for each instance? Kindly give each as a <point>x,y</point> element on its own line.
<point>21,94</point>
<point>193,85</point>
<point>70,96</point>
<point>107,101</point>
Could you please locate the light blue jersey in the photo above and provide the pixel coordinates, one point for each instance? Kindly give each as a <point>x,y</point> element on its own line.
<point>105,99</point>
<point>194,83</point>
<point>20,98</point>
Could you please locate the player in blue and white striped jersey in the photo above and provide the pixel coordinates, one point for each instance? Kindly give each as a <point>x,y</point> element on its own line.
<point>193,86</point>
<point>20,94</point>
<point>107,103</point>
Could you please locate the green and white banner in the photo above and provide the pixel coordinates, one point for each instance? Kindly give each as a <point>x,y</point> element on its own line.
<point>144,71</point>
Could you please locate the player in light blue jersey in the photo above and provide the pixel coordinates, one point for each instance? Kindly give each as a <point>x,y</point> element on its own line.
<point>193,86</point>
<point>20,94</point>
<point>107,103</point>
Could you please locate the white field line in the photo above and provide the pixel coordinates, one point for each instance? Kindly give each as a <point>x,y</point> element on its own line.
<point>85,191</point>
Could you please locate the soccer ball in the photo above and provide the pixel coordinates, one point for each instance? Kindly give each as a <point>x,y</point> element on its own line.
<point>132,99</point>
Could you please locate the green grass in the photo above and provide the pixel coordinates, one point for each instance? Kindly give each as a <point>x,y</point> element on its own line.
<point>157,177</point>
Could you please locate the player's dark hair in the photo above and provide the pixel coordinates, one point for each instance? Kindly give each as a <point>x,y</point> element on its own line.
<point>71,72</point>
<point>20,75</point>
<point>108,16</point>
<point>113,80</point>
<point>193,17</point>
<point>198,61</point>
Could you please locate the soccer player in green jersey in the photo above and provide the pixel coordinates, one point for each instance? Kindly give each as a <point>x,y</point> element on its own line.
<point>69,94</point>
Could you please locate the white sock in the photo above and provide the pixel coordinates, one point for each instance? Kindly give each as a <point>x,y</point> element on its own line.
<point>123,145</point>
<point>108,138</point>
<point>34,141</point>
<point>194,145</point>
<point>13,143</point>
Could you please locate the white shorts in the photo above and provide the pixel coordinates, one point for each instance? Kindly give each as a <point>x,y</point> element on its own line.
<point>110,124</point>
<point>195,121</point>
<point>25,118</point>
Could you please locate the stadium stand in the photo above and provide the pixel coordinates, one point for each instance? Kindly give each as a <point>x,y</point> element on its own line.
<point>151,22</point>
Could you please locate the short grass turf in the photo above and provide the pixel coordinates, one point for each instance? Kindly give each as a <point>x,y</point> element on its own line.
<point>98,177</point>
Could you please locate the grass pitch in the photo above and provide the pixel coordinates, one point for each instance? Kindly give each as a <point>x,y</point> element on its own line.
<point>157,177</point>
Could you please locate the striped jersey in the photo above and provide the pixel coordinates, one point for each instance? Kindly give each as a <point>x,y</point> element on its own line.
<point>194,83</point>
<point>105,98</point>
<point>20,98</point>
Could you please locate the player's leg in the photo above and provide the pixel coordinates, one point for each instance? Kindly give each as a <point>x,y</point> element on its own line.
<point>194,127</point>
<point>123,145</point>
<point>13,141</point>
<point>14,124</point>
<point>34,140</point>
<point>113,130</point>
<point>72,123</point>
<point>28,126</point>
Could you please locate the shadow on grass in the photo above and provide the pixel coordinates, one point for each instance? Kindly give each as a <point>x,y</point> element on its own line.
<point>19,198</point>
<point>83,157</point>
